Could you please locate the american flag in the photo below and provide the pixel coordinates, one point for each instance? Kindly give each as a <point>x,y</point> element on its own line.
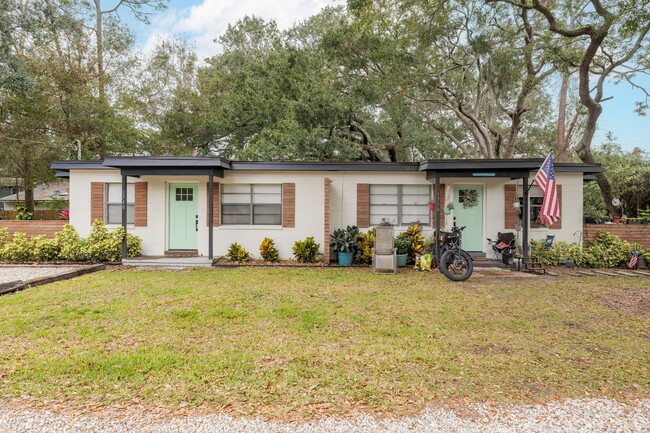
<point>633,260</point>
<point>545,180</point>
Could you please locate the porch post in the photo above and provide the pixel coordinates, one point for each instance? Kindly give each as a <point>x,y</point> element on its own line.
<point>436,233</point>
<point>210,214</point>
<point>524,218</point>
<point>125,251</point>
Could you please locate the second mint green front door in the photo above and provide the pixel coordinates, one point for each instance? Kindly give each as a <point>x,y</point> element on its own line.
<point>183,216</point>
<point>468,212</point>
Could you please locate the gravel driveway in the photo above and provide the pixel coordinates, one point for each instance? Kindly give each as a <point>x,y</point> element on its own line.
<point>567,416</point>
<point>13,273</point>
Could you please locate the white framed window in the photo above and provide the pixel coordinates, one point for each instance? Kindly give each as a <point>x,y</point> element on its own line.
<point>535,199</point>
<point>113,203</point>
<point>251,204</point>
<point>400,205</point>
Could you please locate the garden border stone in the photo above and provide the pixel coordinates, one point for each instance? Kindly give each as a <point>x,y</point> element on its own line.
<point>15,286</point>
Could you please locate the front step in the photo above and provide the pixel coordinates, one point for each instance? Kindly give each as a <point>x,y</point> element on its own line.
<point>167,262</point>
<point>181,253</point>
<point>533,265</point>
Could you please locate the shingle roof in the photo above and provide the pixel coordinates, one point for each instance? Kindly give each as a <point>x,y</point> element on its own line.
<point>45,192</point>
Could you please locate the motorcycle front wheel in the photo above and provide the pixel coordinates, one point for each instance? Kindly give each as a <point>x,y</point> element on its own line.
<point>456,265</point>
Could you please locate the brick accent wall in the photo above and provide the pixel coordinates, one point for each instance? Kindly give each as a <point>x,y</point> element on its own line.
<point>326,219</point>
<point>363,205</point>
<point>558,225</point>
<point>288,205</point>
<point>511,214</point>
<point>215,204</point>
<point>96,201</point>
<point>141,204</point>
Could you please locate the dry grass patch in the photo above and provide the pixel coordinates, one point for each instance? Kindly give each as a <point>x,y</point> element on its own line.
<point>313,341</point>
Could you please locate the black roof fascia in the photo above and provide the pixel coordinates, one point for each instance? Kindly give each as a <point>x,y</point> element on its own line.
<point>164,161</point>
<point>62,174</point>
<point>78,165</point>
<point>532,164</point>
<point>323,166</point>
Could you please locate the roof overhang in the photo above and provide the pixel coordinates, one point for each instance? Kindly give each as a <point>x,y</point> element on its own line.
<point>188,166</point>
<point>323,166</point>
<point>486,168</point>
<point>168,166</point>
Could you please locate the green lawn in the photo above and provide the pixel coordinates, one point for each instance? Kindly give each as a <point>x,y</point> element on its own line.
<point>287,341</point>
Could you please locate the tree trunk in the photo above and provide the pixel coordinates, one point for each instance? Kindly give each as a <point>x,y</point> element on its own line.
<point>100,50</point>
<point>562,139</point>
<point>29,197</point>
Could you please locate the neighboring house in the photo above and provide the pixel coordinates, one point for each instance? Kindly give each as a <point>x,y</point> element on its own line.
<point>168,204</point>
<point>8,186</point>
<point>43,195</point>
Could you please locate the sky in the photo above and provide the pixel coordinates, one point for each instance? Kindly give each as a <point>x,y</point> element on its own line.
<point>202,21</point>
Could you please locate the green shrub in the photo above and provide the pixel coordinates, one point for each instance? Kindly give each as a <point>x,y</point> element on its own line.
<point>100,246</point>
<point>364,247</point>
<point>18,250</point>
<point>609,246</point>
<point>70,245</point>
<point>237,253</point>
<point>306,251</point>
<point>4,236</point>
<point>607,250</point>
<point>268,250</point>
<point>560,252</point>
<point>44,250</point>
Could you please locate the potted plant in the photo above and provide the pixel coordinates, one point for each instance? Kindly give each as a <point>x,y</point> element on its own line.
<point>642,260</point>
<point>344,243</point>
<point>402,245</point>
<point>432,205</point>
<point>449,207</point>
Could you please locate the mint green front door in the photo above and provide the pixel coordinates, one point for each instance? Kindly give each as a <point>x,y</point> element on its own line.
<point>468,212</point>
<point>183,216</point>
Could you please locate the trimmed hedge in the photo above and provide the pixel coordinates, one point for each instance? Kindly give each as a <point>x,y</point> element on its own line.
<point>101,245</point>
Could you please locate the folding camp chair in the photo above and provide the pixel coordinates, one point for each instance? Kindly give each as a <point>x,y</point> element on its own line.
<point>505,243</point>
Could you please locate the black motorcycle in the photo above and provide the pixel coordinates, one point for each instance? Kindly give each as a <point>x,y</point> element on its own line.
<point>455,264</point>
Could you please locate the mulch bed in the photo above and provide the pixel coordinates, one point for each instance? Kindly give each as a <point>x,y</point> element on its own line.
<point>633,301</point>
<point>225,263</point>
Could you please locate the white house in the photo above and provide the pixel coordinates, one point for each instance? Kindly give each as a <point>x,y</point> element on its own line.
<point>168,203</point>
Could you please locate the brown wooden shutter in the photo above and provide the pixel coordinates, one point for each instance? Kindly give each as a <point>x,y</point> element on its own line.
<point>363,205</point>
<point>215,204</point>
<point>96,201</point>
<point>511,214</point>
<point>288,205</point>
<point>141,204</point>
<point>558,225</point>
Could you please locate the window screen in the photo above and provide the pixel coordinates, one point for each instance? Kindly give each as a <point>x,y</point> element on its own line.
<point>113,214</point>
<point>400,204</point>
<point>251,204</point>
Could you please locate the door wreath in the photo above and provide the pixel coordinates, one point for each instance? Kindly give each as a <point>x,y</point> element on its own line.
<point>470,198</point>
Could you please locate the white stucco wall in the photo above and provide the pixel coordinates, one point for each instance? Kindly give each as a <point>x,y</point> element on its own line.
<point>309,206</point>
